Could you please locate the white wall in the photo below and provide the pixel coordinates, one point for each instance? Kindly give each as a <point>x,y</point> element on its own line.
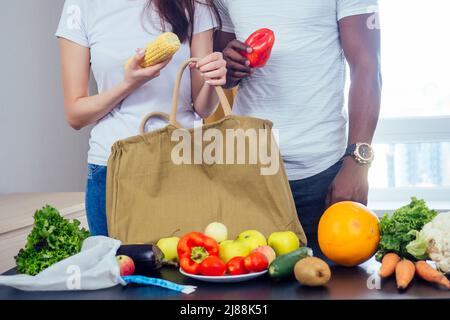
<point>39,152</point>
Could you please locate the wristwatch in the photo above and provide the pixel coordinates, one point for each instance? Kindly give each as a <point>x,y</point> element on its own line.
<point>362,152</point>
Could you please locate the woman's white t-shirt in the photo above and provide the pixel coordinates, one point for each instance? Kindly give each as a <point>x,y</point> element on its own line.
<point>113,30</point>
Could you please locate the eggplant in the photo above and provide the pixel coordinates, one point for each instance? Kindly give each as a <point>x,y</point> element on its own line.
<point>147,258</point>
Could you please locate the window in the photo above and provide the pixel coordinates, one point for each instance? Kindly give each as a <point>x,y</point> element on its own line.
<point>412,165</point>
<point>415,57</point>
<point>412,142</point>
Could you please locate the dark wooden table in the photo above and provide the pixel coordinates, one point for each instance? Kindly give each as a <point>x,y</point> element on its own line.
<point>346,283</point>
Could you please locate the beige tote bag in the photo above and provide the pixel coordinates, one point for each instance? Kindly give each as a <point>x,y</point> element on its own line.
<point>150,193</point>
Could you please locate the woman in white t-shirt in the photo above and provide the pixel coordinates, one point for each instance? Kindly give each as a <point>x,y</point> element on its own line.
<point>101,35</point>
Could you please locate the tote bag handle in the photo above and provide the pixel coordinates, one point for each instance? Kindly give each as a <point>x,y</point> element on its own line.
<point>172,118</point>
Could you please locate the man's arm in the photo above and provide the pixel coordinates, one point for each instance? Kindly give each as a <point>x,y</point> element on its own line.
<point>237,65</point>
<point>361,47</point>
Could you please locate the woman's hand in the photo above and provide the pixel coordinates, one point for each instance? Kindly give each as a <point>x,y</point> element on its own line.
<point>136,76</point>
<point>81,109</point>
<point>213,69</point>
<point>206,74</point>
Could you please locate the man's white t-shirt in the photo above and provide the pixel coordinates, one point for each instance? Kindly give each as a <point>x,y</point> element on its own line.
<point>113,30</point>
<point>301,89</point>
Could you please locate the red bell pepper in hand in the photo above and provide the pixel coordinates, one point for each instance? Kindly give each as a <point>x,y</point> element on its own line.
<point>193,248</point>
<point>261,41</point>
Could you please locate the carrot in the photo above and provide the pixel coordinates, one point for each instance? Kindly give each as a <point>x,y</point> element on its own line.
<point>388,264</point>
<point>428,273</point>
<point>404,273</point>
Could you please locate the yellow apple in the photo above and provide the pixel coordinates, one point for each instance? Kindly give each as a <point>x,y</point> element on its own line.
<point>284,242</point>
<point>253,239</point>
<point>229,249</point>
<point>169,246</point>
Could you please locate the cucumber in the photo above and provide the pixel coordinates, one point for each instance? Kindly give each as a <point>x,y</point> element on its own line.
<point>283,266</point>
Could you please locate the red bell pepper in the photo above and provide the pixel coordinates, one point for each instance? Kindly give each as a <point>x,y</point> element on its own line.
<point>193,248</point>
<point>261,41</point>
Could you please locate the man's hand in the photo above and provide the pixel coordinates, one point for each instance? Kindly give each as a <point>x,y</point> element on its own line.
<point>350,184</point>
<point>237,64</point>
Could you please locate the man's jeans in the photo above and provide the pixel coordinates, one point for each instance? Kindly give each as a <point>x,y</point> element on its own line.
<point>309,196</point>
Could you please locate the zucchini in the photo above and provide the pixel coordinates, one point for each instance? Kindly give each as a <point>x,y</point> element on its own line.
<point>283,266</point>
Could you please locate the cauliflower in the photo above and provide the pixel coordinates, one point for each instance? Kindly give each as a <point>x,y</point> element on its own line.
<point>433,242</point>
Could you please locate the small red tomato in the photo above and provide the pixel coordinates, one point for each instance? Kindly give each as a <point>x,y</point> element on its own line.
<point>235,266</point>
<point>256,262</point>
<point>212,266</point>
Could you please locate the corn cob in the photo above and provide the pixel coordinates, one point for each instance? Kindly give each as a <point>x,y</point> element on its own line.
<point>159,50</point>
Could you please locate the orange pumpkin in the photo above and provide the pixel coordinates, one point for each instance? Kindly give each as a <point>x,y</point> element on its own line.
<point>348,233</point>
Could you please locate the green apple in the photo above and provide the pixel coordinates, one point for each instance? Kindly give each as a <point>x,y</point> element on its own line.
<point>229,249</point>
<point>169,247</point>
<point>253,238</point>
<point>284,242</point>
<point>217,230</point>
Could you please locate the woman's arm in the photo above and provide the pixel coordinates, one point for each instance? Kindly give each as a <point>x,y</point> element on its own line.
<point>82,109</point>
<point>210,71</point>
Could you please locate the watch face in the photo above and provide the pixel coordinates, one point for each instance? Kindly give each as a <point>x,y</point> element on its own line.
<point>365,152</point>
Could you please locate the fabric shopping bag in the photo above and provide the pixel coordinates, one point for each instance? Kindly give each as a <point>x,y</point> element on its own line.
<point>94,267</point>
<point>176,179</point>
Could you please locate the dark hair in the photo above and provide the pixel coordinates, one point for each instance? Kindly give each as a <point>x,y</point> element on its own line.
<point>180,15</point>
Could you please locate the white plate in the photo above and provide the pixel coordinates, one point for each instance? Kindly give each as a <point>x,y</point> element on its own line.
<point>224,279</point>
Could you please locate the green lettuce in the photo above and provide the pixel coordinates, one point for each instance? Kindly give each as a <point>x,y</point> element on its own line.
<point>396,229</point>
<point>52,239</point>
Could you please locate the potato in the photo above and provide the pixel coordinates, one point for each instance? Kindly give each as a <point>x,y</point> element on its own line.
<point>312,272</point>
